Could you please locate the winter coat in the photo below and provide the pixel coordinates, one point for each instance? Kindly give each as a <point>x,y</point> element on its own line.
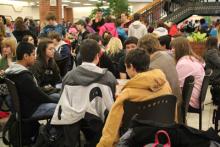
<point>108,27</point>
<point>137,29</point>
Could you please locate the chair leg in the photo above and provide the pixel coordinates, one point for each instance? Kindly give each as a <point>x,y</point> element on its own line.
<point>200,119</point>
<point>19,134</point>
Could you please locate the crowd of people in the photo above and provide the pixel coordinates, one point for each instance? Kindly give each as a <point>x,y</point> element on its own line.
<point>70,71</point>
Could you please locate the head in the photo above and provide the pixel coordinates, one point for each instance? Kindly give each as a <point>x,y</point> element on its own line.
<point>108,19</point>
<point>114,46</point>
<point>181,47</point>
<point>212,43</point>
<point>27,21</point>
<point>99,14</point>
<point>165,42</point>
<point>19,24</point>
<point>2,29</point>
<point>55,37</point>
<point>8,47</point>
<point>45,50</point>
<point>80,25</point>
<point>136,61</point>
<point>51,18</point>
<point>88,21</point>
<point>130,44</point>
<point>2,19</point>
<point>137,16</point>
<point>28,38</point>
<point>25,53</point>
<point>95,36</point>
<point>89,50</point>
<point>124,17</point>
<point>149,43</point>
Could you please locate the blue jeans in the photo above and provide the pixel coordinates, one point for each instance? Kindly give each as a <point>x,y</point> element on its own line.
<point>45,110</point>
<point>55,96</point>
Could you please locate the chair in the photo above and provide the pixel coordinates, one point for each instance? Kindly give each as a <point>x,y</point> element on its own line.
<point>17,108</point>
<point>161,109</point>
<point>63,66</point>
<point>186,95</point>
<point>202,96</point>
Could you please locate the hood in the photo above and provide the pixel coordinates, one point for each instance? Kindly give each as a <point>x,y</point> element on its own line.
<point>60,44</point>
<point>161,31</point>
<point>110,26</point>
<point>84,75</point>
<point>152,80</point>
<point>15,69</point>
<point>136,24</point>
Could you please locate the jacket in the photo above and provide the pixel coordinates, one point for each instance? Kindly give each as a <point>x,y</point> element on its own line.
<point>31,97</point>
<point>82,89</point>
<point>163,61</point>
<point>56,28</point>
<point>139,88</point>
<point>212,59</point>
<point>20,34</point>
<point>110,27</point>
<point>46,74</point>
<point>137,29</point>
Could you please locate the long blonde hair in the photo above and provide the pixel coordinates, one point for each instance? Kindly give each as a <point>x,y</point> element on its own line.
<point>11,43</point>
<point>114,46</point>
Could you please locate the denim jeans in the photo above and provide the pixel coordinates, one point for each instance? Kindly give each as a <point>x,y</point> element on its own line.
<point>55,96</point>
<point>45,110</point>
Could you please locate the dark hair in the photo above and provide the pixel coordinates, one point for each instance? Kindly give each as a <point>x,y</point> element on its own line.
<point>24,48</point>
<point>99,10</point>
<point>118,23</point>
<point>19,24</point>
<point>202,21</point>
<point>137,16</point>
<point>89,48</point>
<point>94,36</point>
<point>87,20</point>
<point>165,40</point>
<point>131,40</point>
<point>50,16</point>
<point>54,35</point>
<point>212,43</point>
<point>108,19</point>
<point>3,19</point>
<point>25,38</point>
<point>81,22</point>
<point>139,59</point>
<point>126,14</point>
<point>41,49</point>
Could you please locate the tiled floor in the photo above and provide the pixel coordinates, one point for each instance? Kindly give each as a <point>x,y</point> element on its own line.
<point>192,119</point>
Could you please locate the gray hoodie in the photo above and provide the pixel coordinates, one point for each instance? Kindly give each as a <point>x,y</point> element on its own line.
<point>137,29</point>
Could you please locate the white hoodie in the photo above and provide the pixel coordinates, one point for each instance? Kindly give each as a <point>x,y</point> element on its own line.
<point>137,29</point>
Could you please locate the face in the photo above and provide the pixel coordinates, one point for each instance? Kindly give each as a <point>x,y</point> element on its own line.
<point>6,50</point>
<point>50,51</point>
<point>99,14</point>
<point>51,22</point>
<point>130,71</point>
<point>30,59</point>
<point>55,42</point>
<point>79,27</point>
<point>30,40</point>
<point>130,47</point>
<point>123,17</point>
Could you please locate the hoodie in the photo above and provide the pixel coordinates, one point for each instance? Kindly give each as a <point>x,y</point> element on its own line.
<point>144,86</point>
<point>161,31</point>
<point>80,94</point>
<point>31,97</point>
<point>109,27</point>
<point>137,29</point>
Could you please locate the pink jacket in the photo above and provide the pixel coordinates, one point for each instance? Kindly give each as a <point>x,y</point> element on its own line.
<point>187,66</point>
<point>110,27</point>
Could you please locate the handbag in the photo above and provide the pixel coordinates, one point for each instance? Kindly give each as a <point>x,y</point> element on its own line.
<point>157,142</point>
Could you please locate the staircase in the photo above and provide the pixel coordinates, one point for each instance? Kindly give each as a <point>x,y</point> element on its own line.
<point>179,11</point>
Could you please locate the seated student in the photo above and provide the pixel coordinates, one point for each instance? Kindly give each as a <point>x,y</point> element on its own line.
<point>62,49</point>
<point>28,38</point>
<point>45,69</point>
<point>88,93</point>
<point>33,101</point>
<point>141,87</point>
<point>130,44</point>
<point>188,63</point>
<point>160,59</point>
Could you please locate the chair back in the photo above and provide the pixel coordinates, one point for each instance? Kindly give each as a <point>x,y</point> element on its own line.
<point>186,95</point>
<point>205,85</point>
<point>63,66</point>
<point>160,109</point>
<point>14,95</point>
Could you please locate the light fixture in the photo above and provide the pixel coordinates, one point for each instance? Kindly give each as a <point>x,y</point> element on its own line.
<point>87,4</point>
<point>75,2</point>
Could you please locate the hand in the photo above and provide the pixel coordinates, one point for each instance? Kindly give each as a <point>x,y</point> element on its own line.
<point>2,72</point>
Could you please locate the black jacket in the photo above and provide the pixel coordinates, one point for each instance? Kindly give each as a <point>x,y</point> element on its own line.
<point>31,97</point>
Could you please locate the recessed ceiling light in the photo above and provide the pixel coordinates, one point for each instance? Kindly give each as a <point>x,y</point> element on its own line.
<point>75,2</point>
<point>93,0</point>
<point>87,4</point>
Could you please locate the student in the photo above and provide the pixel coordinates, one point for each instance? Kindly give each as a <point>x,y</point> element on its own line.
<point>137,66</point>
<point>160,59</point>
<point>137,29</point>
<point>45,69</point>
<point>83,33</point>
<point>98,21</point>
<point>28,39</point>
<point>109,27</point>
<point>130,44</point>
<point>80,102</point>
<point>188,63</point>
<point>52,26</point>
<point>33,101</point>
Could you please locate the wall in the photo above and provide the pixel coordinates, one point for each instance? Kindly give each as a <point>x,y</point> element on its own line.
<point>137,6</point>
<point>25,11</point>
<point>80,12</point>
